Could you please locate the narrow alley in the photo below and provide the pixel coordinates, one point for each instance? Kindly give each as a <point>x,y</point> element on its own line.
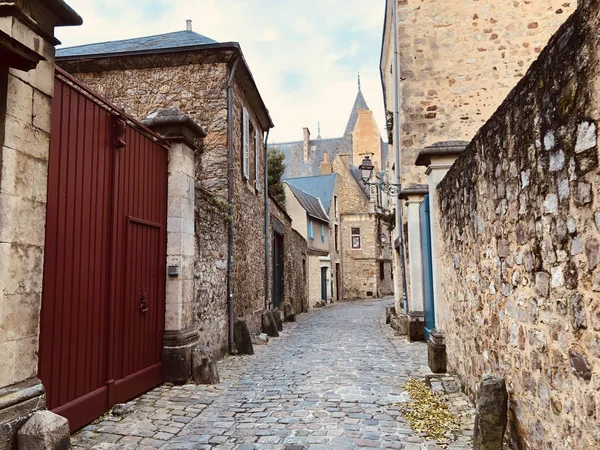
<point>332,380</point>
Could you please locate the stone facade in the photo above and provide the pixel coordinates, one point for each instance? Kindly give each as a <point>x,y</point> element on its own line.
<point>295,260</point>
<point>362,268</point>
<point>520,262</point>
<point>26,90</point>
<point>457,62</point>
<point>450,86</point>
<point>196,83</point>
<point>210,271</point>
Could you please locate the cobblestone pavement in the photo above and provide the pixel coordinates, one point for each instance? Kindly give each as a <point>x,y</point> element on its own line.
<point>332,380</point>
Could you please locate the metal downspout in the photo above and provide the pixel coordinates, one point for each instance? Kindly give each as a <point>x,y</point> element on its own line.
<point>230,198</point>
<point>267,237</point>
<point>398,160</point>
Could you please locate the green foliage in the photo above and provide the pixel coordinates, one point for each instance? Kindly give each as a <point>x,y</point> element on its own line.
<point>276,168</point>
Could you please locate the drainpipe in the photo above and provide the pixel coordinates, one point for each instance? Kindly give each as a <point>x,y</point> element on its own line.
<point>230,198</point>
<point>267,237</point>
<point>398,161</point>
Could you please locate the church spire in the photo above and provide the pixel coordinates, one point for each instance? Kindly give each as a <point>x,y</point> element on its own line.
<point>319,130</point>
<point>359,81</point>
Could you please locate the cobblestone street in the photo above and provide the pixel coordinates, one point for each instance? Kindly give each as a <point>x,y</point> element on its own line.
<point>332,380</point>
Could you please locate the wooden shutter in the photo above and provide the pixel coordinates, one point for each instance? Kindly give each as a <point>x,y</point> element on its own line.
<point>257,149</point>
<point>246,145</point>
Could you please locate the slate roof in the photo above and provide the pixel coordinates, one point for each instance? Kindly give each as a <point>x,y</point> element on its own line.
<point>321,187</point>
<point>177,39</point>
<point>312,205</point>
<point>359,104</point>
<point>296,167</point>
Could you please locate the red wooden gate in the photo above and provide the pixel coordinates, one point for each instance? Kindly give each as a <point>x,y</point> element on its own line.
<point>102,319</point>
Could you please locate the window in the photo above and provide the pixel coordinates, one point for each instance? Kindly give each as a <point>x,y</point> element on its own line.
<point>337,234</point>
<point>355,237</point>
<point>257,152</point>
<point>323,233</point>
<point>252,154</point>
<point>335,207</point>
<point>246,144</point>
<point>310,229</point>
<point>381,270</point>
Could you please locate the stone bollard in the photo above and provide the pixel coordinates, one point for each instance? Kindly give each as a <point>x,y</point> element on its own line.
<point>288,313</point>
<point>204,366</point>
<point>436,351</point>
<point>389,312</point>
<point>242,338</point>
<point>491,410</point>
<point>44,430</point>
<point>278,315</point>
<point>269,327</point>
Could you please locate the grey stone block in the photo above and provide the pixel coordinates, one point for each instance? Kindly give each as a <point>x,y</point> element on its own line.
<point>242,338</point>
<point>204,366</point>
<point>44,430</point>
<point>269,327</point>
<point>288,312</point>
<point>491,414</point>
<point>436,352</point>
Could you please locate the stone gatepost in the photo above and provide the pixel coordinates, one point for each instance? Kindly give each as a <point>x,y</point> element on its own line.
<point>414,195</point>
<point>181,334</point>
<point>438,158</point>
<point>26,88</point>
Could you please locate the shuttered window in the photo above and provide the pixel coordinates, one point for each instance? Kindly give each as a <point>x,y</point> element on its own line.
<point>246,144</point>
<point>257,149</point>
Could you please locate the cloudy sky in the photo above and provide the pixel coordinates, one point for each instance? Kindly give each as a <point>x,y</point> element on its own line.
<point>304,54</point>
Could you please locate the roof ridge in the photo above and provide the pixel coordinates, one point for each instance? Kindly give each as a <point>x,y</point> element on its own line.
<point>133,39</point>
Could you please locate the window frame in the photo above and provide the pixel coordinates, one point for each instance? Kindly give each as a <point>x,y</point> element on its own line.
<point>311,233</point>
<point>245,144</point>
<point>323,233</point>
<point>354,234</point>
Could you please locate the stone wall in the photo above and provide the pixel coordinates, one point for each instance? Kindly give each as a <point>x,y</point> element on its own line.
<point>520,220</point>
<point>459,60</point>
<point>198,90</point>
<point>360,266</point>
<point>295,271</point>
<point>249,223</point>
<point>210,271</point>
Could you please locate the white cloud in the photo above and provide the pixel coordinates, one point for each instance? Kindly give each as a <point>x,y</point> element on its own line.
<point>304,55</point>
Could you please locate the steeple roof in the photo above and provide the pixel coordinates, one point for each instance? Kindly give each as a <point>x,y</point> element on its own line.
<point>359,104</point>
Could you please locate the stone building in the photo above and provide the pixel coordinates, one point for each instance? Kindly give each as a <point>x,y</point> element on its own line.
<point>212,83</point>
<point>288,262</point>
<point>326,188</point>
<point>26,89</point>
<point>519,246</point>
<point>365,243</point>
<point>456,63</point>
<point>361,136</point>
<point>311,221</point>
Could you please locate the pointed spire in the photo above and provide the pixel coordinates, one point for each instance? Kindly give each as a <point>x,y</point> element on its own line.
<point>359,81</point>
<point>319,130</point>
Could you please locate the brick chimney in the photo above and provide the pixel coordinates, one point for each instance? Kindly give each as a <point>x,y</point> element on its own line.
<point>306,142</point>
<point>326,167</point>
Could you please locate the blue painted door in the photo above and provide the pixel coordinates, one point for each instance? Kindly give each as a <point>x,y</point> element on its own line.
<point>426,267</point>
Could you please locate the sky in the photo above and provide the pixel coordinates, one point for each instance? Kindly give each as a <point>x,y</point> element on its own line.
<point>305,55</point>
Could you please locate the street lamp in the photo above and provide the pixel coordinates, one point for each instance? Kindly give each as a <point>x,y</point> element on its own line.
<point>366,173</point>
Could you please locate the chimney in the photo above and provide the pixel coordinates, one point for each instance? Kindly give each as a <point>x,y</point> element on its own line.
<point>188,25</point>
<point>326,167</point>
<point>306,142</point>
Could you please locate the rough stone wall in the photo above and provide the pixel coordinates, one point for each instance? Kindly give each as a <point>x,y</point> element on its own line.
<point>360,266</point>
<point>459,60</point>
<point>249,223</point>
<point>520,219</point>
<point>198,90</point>
<point>295,260</point>
<point>210,271</point>
<point>351,199</point>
